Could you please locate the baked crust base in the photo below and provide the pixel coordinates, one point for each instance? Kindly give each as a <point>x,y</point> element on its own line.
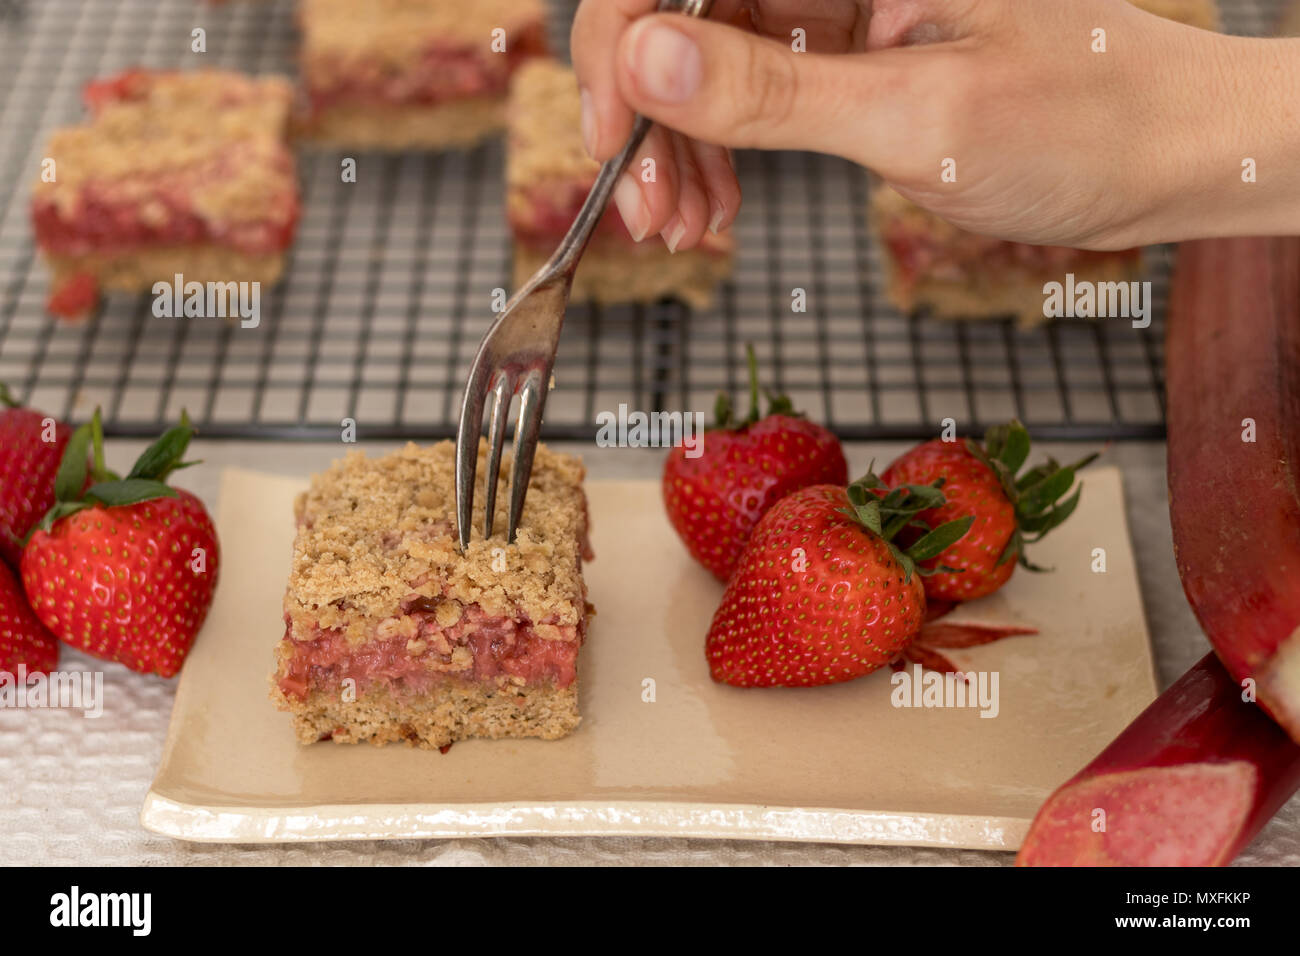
<point>138,270</point>
<point>454,124</point>
<point>618,271</point>
<point>457,711</point>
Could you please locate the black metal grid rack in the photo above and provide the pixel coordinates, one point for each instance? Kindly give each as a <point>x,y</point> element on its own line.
<point>389,288</point>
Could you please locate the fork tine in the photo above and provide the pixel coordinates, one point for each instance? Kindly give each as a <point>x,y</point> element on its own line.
<point>532,398</point>
<point>467,438</point>
<point>502,391</point>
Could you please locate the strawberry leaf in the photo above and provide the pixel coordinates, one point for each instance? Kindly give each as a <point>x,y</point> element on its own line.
<point>1039,525</point>
<point>1015,447</point>
<point>1030,566</point>
<point>128,491</point>
<point>905,562</point>
<point>1015,547</point>
<point>866,514</point>
<point>165,455</point>
<point>779,404</point>
<point>1037,498</point>
<point>941,538</point>
<point>71,476</point>
<point>1036,475</point>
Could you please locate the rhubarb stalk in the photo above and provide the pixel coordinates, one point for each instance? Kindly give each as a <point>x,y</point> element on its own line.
<point>1233,372</point>
<point>1188,783</point>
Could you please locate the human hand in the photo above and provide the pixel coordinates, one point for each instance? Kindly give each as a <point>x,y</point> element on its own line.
<point>1049,140</point>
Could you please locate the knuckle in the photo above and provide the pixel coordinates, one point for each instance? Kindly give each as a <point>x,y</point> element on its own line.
<point>768,99</point>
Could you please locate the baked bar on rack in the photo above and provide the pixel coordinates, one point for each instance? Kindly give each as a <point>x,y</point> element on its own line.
<point>932,265</point>
<point>953,274</point>
<point>412,74</point>
<point>548,175</point>
<point>185,173</point>
<point>393,635</point>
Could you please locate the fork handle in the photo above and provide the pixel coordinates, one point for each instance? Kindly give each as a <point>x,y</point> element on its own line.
<point>565,258</point>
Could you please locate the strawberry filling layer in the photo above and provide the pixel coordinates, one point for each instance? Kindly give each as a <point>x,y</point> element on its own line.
<point>540,217</point>
<point>477,648</point>
<point>545,214</point>
<point>918,255</point>
<point>439,74</point>
<point>127,214</point>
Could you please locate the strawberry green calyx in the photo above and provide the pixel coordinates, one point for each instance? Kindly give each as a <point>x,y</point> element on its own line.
<point>84,457</point>
<point>724,413</point>
<point>6,399</point>
<point>887,511</point>
<point>1036,494</point>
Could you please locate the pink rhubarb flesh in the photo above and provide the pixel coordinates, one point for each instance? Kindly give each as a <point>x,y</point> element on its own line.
<point>1188,783</point>
<point>1233,370</point>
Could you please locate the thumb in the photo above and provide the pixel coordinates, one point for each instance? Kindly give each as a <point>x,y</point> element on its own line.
<point>727,86</point>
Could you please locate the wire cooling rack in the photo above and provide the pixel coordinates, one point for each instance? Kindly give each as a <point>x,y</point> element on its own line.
<point>390,283</point>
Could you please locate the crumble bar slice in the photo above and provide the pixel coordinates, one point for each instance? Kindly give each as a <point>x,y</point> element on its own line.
<point>548,175</point>
<point>953,274</point>
<point>437,646</point>
<point>185,173</point>
<point>403,74</point>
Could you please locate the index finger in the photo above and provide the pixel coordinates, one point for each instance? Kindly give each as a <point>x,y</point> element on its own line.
<point>593,47</point>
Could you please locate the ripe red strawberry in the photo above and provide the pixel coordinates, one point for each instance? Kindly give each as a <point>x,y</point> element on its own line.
<point>31,446</point>
<point>23,639</point>
<point>126,570</point>
<point>821,594</point>
<point>741,470</point>
<point>980,482</point>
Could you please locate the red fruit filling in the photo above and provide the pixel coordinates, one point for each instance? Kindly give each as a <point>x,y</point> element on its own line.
<point>547,211</point>
<point>74,297</point>
<point>132,213</point>
<point>415,663</point>
<point>439,74</point>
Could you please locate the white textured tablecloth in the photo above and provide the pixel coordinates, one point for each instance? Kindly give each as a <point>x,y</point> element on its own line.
<point>71,788</point>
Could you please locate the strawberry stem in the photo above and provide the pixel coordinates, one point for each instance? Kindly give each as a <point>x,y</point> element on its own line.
<point>752,361</point>
<point>777,404</point>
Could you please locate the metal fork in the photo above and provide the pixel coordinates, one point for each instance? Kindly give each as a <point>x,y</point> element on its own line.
<point>517,355</point>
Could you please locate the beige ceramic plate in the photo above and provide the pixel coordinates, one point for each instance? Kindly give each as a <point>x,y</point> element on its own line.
<point>837,764</point>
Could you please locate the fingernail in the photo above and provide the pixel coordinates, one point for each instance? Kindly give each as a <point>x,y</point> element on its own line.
<point>632,207</point>
<point>718,212</point>
<point>666,63</point>
<point>673,232</point>
<point>588,122</point>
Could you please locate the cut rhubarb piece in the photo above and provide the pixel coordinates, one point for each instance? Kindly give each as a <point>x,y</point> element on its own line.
<point>548,175</point>
<point>185,173</point>
<point>410,74</point>
<point>1233,380</point>
<point>393,635</point>
<point>1188,783</point>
